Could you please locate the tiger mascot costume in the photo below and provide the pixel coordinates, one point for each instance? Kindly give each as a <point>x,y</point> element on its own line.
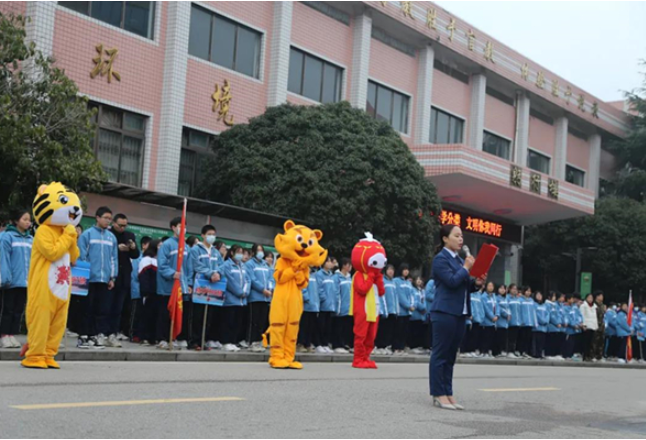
<point>57,211</point>
<point>299,250</point>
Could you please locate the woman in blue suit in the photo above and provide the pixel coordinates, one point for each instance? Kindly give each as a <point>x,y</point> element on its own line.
<point>449,311</point>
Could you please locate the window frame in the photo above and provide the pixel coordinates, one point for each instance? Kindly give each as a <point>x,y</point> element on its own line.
<point>510,144</point>
<point>433,128</point>
<point>543,155</point>
<point>152,18</point>
<point>340,69</point>
<point>577,169</point>
<point>198,151</point>
<point>407,98</point>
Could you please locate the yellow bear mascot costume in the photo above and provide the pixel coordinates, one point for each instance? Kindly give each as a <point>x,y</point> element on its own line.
<point>299,249</point>
<point>57,210</point>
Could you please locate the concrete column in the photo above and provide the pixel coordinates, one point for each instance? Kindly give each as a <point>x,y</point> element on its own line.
<point>522,124</point>
<point>39,30</point>
<point>560,148</point>
<point>424,90</point>
<point>592,184</point>
<point>361,34</point>
<point>477,112</point>
<point>280,43</point>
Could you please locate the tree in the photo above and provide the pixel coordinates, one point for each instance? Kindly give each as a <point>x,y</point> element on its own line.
<point>333,167</point>
<point>45,126</point>
<point>618,232</point>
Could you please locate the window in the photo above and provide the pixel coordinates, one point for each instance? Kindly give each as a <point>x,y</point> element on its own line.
<point>387,105</point>
<point>314,78</point>
<point>496,145</point>
<point>445,128</point>
<point>119,143</point>
<point>192,165</point>
<point>224,42</point>
<point>135,17</point>
<point>538,162</point>
<point>574,176</point>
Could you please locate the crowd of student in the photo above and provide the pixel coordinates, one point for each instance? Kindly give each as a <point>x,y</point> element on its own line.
<point>129,291</point>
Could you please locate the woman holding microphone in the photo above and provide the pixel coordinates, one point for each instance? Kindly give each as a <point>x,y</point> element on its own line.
<point>449,311</point>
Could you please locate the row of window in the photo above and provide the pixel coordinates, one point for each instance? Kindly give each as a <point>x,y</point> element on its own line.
<point>120,140</point>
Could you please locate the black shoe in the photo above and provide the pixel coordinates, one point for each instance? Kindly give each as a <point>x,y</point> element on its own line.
<point>83,343</point>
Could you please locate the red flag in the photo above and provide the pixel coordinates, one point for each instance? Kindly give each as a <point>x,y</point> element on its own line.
<point>175,305</point>
<point>629,345</point>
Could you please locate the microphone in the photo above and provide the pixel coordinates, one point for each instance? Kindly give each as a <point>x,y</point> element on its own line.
<point>466,250</point>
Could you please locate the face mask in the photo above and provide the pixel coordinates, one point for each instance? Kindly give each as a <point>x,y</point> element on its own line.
<point>239,257</point>
<point>210,239</point>
<point>260,255</point>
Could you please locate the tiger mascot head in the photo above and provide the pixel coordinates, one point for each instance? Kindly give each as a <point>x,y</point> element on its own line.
<point>301,245</point>
<point>57,205</point>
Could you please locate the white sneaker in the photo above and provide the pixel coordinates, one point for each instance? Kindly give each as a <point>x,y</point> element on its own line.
<point>328,350</point>
<point>621,361</point>
<point>113,341</point>
<point>6,342</point>
<point>15,342</point>
<point>145,343</point>
<point>417,351</point>
<point>217,345</point>
<point>182,344</point>
<point>257,347</point>
<point>320,350</point>
<point>244,344</point>
<point>122,337</point>
<point>177,345</point>
<point>344,351</point>
<point>210,344</point>
<point>464,355</point>
<point>512,356</point>
<point>71,334</point>
<point>163,345</point>
<point>230,348</point>
<point>101,339</point>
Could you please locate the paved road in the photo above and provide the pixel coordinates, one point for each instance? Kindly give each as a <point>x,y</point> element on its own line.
<point>323,400</point>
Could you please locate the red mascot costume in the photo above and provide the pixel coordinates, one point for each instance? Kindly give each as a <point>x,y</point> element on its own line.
<point>368,260</point>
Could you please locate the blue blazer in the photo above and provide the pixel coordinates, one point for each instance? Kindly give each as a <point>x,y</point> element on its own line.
<point>452,284</point>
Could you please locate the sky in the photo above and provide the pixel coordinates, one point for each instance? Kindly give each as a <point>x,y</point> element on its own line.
<point>595,45</point>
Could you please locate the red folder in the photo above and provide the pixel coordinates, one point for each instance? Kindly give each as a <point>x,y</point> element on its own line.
<point>484,260</point>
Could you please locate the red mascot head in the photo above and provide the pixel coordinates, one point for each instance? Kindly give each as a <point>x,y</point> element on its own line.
<point>369,256</point>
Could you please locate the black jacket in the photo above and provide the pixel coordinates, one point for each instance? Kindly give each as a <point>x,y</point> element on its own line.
<point>125,266</point>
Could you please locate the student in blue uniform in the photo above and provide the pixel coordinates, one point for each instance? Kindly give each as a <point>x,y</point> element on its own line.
<point>327,296</point>
<point>491,316</point>
<point>573,328</point>
<point>404,291</point>
<point>472,337</point>
<point>308,339</point>
<point>552,349</point>
<point>262,289</point>
<point>136,307</point>
<point>418,328</point>
<point>342,321</point>
<point>564,327</point>
<point>610,322</point>
<point>166,275</point>
<point>502,325</point>
<point>514,323</point>
<point>641,333</point>
<point>527,323</point>
<point>637,329</point>
<point>388,310</point>
<point>542,314</point>
<point>235,298</point>
<point>15,256</point>
<point>624,331</point>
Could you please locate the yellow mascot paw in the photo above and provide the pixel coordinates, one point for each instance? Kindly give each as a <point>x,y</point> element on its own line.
<point>279,363</point>
<point>296,366</point>
<point>31,363</point>
<point>51,363</point>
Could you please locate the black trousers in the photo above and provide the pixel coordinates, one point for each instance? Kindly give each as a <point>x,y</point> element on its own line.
<point>401,330</point>
<point>637,353</point>
<point>75,315</point>
<point>429,339</point>
<point>325,328</point>
<point>96,315</point>
<point>586,339</point>
<point>162,318</point>
<point>569,343</point>
<point>214,324</point>
<point>308,331</point>
<point>259,318</point>
<point>417,331</point>
<point>487,337</point>
<point>135,319</point>
<point>198,323</point>
<point>118,297</point>
<point>538,344</point>
<point>385,331</point>
<point>149,310</point>
<point>342,331</point>
<point>524,345</point>
<point>512,339</point>
<point>244,332</point>
<point>622,344</point>
<point>501,341</point>
<point>187,320</point>
<point>13,308</point>
<point>232,319</point>
<point>471,340</point>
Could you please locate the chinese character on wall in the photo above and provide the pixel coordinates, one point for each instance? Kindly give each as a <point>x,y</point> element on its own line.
<point>555,87</point>
<point>524,71</point>
<point>471,39</point>
<point>488,51</point>
<point>407,9</point>
<point>535,183</point>
<point>516,176</point>
<point>451,28</point>
<point>568,94</point>
<point>431,17</point>
<point>581,102</point>
<point>540,80</point>
<point>553,189</point>
<point>595,110</point>
<point>104,67</point>
<point>222,101</point>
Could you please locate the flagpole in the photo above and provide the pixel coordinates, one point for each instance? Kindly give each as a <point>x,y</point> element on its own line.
<point>170,337</point>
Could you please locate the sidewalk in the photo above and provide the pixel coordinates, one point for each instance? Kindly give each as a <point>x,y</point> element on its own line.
<point>139,353</point>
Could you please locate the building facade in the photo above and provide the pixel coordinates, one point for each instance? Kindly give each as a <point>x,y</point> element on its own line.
<point>506,142</point>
